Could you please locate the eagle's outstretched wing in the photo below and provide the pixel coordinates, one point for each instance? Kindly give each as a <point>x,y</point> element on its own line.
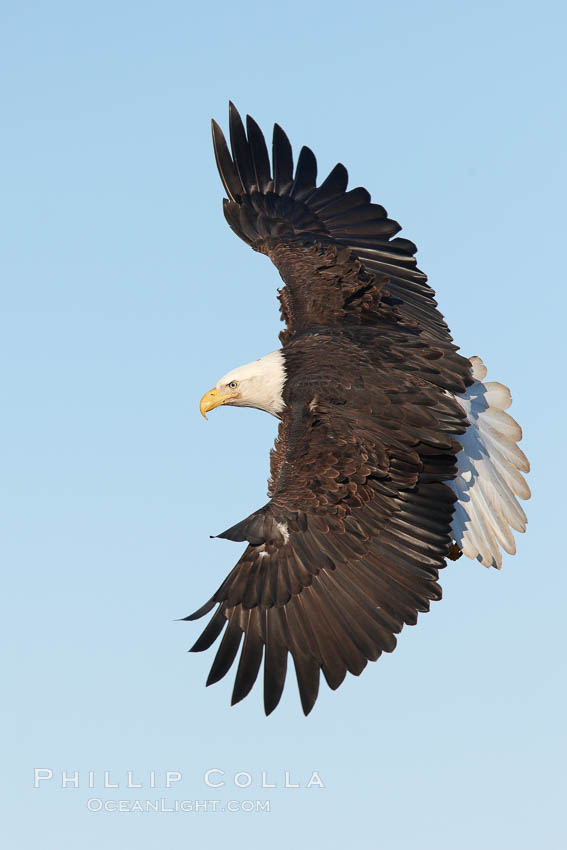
<point>337,252</point>
<point>350,545</point>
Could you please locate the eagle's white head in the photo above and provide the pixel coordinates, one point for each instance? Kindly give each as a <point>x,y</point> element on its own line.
<point>258,384</point>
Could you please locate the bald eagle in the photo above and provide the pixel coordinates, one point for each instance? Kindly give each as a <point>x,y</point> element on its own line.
<point>393,453</point>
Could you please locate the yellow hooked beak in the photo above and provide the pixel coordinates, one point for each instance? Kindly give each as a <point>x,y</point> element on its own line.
<point>213,399</point>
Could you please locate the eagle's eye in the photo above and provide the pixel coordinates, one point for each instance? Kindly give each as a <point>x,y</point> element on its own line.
<point>233,385</point>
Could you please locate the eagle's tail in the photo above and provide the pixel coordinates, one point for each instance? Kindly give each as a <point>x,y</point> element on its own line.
<point>489,480</point>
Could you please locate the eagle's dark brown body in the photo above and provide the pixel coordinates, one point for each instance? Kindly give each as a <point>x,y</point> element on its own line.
<point>349,547</point>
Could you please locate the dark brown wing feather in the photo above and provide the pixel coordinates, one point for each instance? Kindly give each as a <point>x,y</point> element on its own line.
<point>349,548</point>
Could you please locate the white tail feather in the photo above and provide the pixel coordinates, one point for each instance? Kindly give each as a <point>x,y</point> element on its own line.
<point>489,480</point>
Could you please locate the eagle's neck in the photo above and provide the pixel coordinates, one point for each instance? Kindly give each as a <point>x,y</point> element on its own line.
<point>271,380</point>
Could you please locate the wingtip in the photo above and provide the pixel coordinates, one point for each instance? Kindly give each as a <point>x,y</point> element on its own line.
<point>200,612</point>
<point>250,122</point>
<point>272,699</point>
<point>212,678</point>
<point>269,708</point>
<point>233,111</point>
<point>236,698</point>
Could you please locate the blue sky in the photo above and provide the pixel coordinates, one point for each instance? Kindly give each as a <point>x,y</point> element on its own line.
<point>126,296</point>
